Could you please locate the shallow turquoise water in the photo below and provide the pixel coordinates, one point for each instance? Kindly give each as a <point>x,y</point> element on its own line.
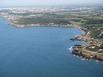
<point>42,52</point>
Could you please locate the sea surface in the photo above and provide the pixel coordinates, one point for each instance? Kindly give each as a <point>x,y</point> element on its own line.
<point>42,52</point>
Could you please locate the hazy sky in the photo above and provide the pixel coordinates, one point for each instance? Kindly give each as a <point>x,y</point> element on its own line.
<point>45,2</point>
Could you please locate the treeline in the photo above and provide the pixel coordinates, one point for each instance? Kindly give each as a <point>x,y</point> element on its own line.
<point>41,20</point>
<point>94,21</point>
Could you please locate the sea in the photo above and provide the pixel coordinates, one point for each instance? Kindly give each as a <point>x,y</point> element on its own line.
<point>42,52</point>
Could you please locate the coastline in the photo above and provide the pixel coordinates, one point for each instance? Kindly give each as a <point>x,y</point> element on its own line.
<point>82,51</point>
<point>12,22</point>
<point>76,50</point>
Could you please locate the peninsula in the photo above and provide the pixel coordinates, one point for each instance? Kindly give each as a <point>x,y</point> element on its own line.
<point>88,19</point>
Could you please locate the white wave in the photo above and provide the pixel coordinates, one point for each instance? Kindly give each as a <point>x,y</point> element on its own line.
<point>71,49</point>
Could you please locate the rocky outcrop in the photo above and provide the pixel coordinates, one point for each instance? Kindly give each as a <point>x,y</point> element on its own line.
<point>81,51</point>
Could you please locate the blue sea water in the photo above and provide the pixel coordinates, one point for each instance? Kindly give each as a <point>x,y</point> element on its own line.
<point>42,52</point>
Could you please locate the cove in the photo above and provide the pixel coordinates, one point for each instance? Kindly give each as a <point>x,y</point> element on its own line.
<point>42,52</point>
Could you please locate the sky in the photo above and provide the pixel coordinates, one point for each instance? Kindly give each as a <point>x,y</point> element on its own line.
<point>46,2</point>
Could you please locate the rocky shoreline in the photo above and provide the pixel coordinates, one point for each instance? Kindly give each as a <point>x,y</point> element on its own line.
<point>78,50</point>
<point>81,51</point>
<point>84,51</point>
<point>40,25</point>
